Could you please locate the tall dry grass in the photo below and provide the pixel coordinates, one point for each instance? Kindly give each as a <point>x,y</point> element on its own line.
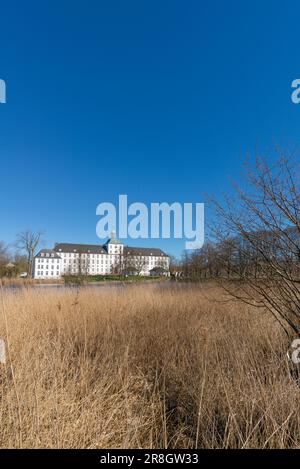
<point>143,367</point>
<point>28,282</point>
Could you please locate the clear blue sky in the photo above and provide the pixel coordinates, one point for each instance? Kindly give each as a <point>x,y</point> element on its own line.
<point>159,100</point>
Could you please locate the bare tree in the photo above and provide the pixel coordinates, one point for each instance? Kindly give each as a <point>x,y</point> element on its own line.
<point>202,263</point>
<point>20,262</point>
<point>133,260</point>
<point>28,242</point>
<point>83,264</point>
<point>3,253</point>
<point>4,258</point>
<point>174,264</point>
<point>260,228</point>
<point>139,262</point>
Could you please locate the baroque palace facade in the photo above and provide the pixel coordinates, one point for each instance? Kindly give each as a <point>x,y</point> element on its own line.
<point>111,258</point>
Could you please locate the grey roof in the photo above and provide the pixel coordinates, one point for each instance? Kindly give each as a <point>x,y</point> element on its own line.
<point>80,248</point>
<point>51,253</point>
<point>133,251</point>
<point>98,249</point>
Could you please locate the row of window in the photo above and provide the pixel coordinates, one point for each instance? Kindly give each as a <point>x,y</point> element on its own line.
<point>51,255</point>
<point>51,261</point>
<point>41,273</point>
<point>52,264</point>
<point>95,256</point>
<point>152,260</point>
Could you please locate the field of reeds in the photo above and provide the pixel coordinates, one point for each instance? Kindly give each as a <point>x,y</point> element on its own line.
<point>28,282</point>
<point>143,367</point>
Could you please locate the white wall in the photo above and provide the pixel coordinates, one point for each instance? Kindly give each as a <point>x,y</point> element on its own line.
<point>90,264</point>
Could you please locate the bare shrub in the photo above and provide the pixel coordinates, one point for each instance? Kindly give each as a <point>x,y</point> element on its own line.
<point>257,233</point>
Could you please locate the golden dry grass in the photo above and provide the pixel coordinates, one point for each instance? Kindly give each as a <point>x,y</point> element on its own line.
<point>143,367</point>
<point>27,282</point>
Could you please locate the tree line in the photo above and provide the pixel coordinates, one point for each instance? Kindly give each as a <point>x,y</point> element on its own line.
<point>19,257</point>
<point>254,240</point>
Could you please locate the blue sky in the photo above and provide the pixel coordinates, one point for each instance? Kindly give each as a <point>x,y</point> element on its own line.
<point>160,100</point>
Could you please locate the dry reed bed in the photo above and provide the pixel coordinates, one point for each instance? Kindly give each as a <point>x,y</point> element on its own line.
<point>143,367</point>
<point>27,282</point>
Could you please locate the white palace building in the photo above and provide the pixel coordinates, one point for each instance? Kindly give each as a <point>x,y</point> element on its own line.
<point>111,258</point>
